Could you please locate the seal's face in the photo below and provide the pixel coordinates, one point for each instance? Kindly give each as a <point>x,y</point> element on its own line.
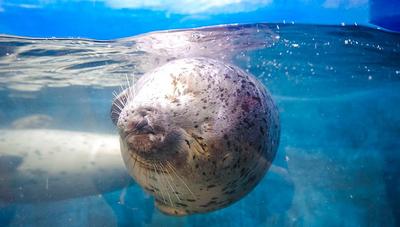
<point>198,134</point>
<point>149,136</point>
<point>144,132</point>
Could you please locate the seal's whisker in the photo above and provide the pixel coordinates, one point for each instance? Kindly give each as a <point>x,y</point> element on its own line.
<point>122,87</point>
<point>165,188</point>
<point>132,87</point>
<point>134,163</point>
<point>159,185</point>
<point>172,189</point>
<point>115,94</point>
<point>119,106</point>
<point>255,168</point>
<point>116,111</point>
<point>127,80</point>
<point>175,185</point>
<point>116,102</point>
<point>131,90</point>
<point>175,190</point>
<point>146,175</point>
<point>173,169</point>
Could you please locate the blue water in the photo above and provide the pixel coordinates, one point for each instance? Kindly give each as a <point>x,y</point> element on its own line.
<point>337,89</point>
<point>108,19</point>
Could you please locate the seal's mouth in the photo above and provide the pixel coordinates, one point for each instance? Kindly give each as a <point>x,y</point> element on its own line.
<point>142,142</point>
<point>143,138</point>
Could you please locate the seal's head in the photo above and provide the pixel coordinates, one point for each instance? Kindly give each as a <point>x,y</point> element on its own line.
<point>196,133</point>
<point>147,134</point>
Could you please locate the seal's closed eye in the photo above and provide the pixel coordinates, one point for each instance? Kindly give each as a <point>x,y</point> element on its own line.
<point>118,104</point>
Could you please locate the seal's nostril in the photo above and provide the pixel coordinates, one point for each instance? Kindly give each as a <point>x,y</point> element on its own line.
<point>141,124</point>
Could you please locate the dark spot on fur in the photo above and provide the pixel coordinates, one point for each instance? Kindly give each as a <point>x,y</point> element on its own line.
<point>249,124</point>
<point>211,186</point>
<point>242,171</point>
<point>257,99</point>
<point>251,179</point>
<point>181,204</point>
<point>208,204</point>
<point>252,84</point>
<point>230,192</point>
<point>149,189</point>
<point>156,189</point>
<point>245,107</point>
<point>187,142</point>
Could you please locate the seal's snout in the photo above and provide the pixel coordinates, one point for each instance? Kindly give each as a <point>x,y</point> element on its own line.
<point>140,126</point>
<point>137,122</point>
<point>140,129</point>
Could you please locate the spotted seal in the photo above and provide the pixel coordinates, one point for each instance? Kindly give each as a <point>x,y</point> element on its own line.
<point>196,133</point>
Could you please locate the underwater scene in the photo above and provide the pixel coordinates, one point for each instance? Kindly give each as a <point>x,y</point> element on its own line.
<point>336,90</point>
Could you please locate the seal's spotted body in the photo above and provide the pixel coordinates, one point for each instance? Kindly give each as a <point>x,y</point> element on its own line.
<point>197,133</point>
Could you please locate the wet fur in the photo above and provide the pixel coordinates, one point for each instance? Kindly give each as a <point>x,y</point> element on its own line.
<point>220,129</point>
